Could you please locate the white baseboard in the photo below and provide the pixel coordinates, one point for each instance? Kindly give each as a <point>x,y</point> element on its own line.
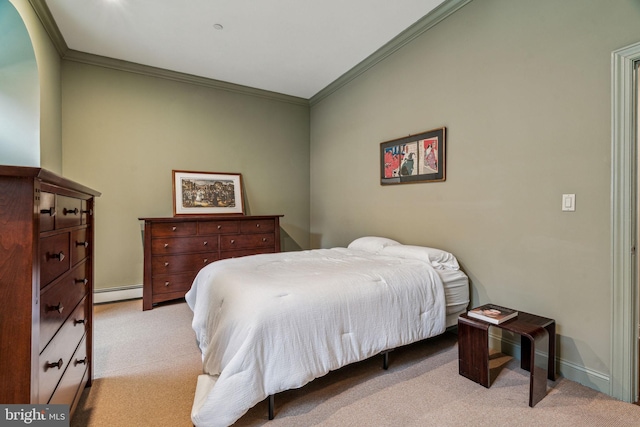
<point>117,294</point>
<point>571,371</point>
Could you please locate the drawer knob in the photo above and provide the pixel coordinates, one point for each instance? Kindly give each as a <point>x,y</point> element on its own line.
<point>59,256</point>
<point>219,227</point>
<point>166,245</point>
<point>57,364</point>
<point>264,239</point>
<point>206,243</point>
<point>81,361</point>
<point>66,211</point>
<point>87,212</point>
<point>174,228</point>
<point>167,283</point>
<point>51,211</point>
<point>257,225</point>
<point>233,241</point>
<point>57,308</point>
<point>78,322</point>
<point>85,244</point>
<point>83,281</point>
<point>166,264</point>
<point>206,260</point>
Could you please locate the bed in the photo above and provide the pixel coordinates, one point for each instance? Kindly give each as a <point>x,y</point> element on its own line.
<point>273,322</point>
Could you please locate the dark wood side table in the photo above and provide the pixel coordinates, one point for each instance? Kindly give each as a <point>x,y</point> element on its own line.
<point>537,336</point>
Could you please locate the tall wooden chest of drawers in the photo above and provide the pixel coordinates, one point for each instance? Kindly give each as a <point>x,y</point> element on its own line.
<point>176,248</point>
<point>46,287</point>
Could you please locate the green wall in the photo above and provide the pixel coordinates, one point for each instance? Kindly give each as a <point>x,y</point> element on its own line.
<point>125,132</point>
<point>524,89</point>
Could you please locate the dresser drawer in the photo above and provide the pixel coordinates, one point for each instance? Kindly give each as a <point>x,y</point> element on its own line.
<point>68,211</point>
<point>170,264</point>
<point>246,241</point>
<point>57,301</point>
<point>54,257</point>
<point>56,356</point>
<point>72,378</point>
<point>47,211</point>
<point>174,245</point>
<point>173,282</point>
<point>257,226</point>
<point>167,229</point>
<point>218,227</point>
<point>80,245</point>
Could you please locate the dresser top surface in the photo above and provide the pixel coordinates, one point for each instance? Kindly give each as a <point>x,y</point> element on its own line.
<point>45,176</point>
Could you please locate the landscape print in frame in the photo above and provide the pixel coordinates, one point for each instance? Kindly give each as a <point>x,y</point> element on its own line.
<point>414,158</point>
<point>207,193</point>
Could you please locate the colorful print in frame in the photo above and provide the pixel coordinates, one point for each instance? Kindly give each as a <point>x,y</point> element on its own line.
<point>207,193</point>
<point>415,158</point>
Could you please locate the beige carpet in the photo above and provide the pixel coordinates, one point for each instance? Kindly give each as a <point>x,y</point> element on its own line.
<point>146,365</point>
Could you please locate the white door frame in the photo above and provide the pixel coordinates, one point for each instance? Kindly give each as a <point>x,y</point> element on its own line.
<point>624,192</point>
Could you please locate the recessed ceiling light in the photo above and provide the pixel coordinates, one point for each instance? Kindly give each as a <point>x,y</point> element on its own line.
<point>218,26</point>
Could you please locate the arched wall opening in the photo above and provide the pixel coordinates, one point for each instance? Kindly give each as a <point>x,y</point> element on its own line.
<point>19,92</point>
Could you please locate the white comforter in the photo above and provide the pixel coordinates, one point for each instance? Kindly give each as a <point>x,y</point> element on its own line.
<point>269,323</point>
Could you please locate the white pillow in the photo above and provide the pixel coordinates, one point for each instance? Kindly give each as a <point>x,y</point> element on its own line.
<point>372,244</point>
<point>439,259</point>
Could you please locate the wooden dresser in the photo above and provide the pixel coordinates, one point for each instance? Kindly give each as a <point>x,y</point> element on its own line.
<point>46,287</point>
<point>176,248</point>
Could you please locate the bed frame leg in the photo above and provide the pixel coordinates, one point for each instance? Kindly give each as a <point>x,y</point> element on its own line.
<point>385,359</point>
<point>271,405</point>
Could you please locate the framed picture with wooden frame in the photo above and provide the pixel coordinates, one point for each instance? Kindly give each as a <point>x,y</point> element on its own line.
<point>414,158</point>
<point>207,193</point>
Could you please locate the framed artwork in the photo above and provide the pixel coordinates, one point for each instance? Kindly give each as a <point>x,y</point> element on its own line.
<point>207,193</point>
<point>415,158</point>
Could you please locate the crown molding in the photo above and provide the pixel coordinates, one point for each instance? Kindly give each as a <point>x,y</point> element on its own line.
<point>132,67</point>
<point>428,21</point>
<point>44,15</point>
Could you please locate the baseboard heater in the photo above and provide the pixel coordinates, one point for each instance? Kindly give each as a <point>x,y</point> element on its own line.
<point>121,293</point>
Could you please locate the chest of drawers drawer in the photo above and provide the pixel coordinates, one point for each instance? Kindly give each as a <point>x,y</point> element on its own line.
<point>68,212</point>
<point>54,257</point>
<point>57,355</point>
<point>257,226</point>
<point>80,245</point>
<point>56,301</point>
<point>173,229</point>
<point>218,227</point>
<point>174,245</point>
<point>74,378</point>
<point>245,241</point>
<point>169,264</point>
<point>180,282</point>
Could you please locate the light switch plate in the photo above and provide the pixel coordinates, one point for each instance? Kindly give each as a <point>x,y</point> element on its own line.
<point>568,202</point>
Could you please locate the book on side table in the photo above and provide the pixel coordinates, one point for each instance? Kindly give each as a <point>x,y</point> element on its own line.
<point>492,313</point>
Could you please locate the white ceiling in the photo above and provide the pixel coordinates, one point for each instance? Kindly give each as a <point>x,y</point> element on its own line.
<point>292,47</point>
